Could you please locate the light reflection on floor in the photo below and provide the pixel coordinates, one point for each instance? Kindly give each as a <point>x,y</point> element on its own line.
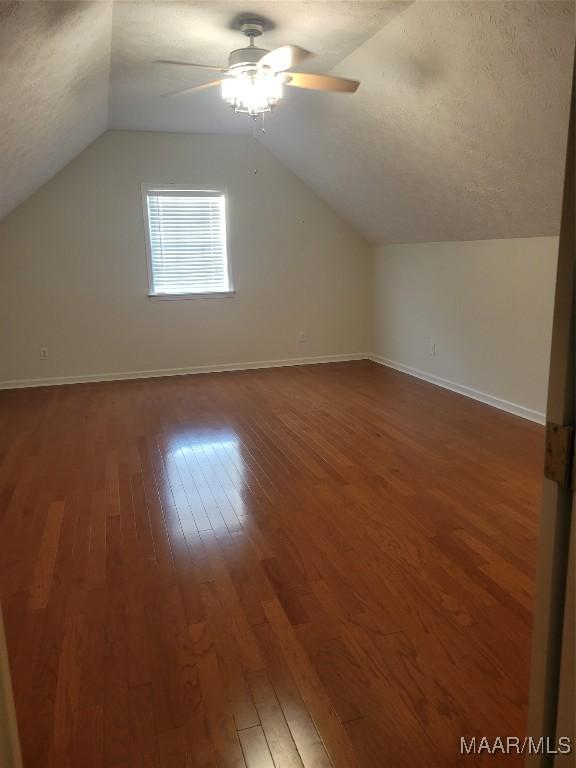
<point>206,476</point>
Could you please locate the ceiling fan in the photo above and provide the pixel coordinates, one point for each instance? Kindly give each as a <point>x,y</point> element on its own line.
<point>253,81</point>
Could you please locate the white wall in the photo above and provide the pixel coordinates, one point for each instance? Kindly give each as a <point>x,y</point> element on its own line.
<point>486,304</point>
<point>73,272</point>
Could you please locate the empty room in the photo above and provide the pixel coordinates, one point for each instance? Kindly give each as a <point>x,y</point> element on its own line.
<point>287,423</point>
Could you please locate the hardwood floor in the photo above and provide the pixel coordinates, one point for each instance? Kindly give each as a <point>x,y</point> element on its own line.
<point>330,565</point>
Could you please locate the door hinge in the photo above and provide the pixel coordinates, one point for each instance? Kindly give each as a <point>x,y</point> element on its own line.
<point>560,454</point>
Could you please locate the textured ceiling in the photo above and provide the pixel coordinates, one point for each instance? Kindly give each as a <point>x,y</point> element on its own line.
<point>457,132</point>
<point>54,74</point>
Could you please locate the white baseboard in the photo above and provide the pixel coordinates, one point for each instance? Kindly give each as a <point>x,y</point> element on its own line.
<point>495,402</point>
<point>118,376</point>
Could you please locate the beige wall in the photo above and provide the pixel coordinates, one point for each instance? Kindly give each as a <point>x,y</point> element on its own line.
<point>73,274</point>
<point>486,304</point>
<point>73,278</point>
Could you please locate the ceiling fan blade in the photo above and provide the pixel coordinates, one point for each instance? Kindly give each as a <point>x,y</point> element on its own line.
<point>190,64</point>
<point>193,88</point>
<point>284,58</point>
<point>322,82</point>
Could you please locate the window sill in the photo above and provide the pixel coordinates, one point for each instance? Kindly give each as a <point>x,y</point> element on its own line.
<point>172,296</point>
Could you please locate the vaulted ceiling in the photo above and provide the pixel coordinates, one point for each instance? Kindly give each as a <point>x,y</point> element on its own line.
<point>54,78</point>
<point>458,130</point>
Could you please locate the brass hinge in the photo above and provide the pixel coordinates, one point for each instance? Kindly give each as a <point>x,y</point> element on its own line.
<point>559,458</point>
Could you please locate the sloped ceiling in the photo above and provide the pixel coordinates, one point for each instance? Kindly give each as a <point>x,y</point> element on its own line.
<point>458,130</point>
<point>54,76</point>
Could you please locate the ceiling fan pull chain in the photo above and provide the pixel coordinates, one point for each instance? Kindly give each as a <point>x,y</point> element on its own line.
<point>255,148</point>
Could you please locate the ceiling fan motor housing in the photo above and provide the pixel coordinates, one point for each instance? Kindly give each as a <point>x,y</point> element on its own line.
<point>243,56</point>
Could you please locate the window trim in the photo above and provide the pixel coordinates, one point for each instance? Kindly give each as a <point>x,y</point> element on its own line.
<point>209,190</point>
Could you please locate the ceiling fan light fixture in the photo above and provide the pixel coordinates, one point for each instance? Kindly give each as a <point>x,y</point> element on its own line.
<point>252,92</point>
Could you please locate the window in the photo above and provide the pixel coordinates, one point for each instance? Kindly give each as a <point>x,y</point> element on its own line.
<point>186,242</point>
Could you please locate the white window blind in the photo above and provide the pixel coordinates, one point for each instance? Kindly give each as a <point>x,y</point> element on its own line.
<point>186,241</point>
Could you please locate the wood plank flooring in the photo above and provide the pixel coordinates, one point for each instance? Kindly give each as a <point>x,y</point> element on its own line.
<point>308,567</point>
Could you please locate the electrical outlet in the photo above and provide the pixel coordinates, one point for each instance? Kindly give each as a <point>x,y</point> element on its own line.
<point>43,353</point>
<point>433,349</point>
<point>302,338</point>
